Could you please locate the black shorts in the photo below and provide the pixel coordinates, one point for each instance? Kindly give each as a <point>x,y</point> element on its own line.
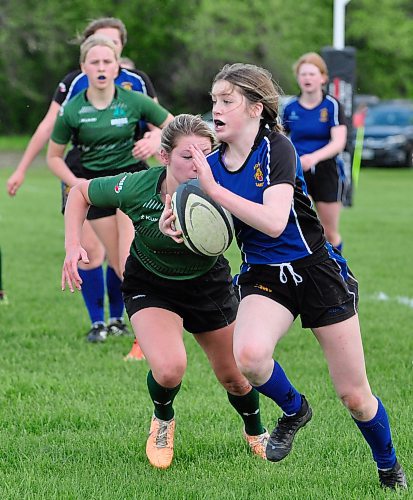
<point>321,290</point>
<point>73,162</point>
<point>205,303</point>
<point>327,181</point>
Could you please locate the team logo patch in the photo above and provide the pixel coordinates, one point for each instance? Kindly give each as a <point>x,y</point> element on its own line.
<point>62,87</point>
<point>258,175</point>
<point>126,85</point>
<point>119,185</point>
<point>323,115</point>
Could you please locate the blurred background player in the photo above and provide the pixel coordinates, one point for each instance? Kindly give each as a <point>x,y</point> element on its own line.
<point>315,123</point>
<point>103,118</point>
<point>147,142</point>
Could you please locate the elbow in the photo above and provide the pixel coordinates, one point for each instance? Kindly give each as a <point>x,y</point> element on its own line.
<point>275,229</point>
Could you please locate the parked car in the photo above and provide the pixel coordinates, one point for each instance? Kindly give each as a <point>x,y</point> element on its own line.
<point>388,134</point>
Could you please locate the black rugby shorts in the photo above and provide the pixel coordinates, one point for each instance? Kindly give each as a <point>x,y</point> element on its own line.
<point>206,303</point>
<point>323,296</point>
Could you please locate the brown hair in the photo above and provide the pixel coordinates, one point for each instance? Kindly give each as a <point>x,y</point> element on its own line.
<point>311,58</point>
<point>257,85</point>
<point>183,125</point>
<point>104,22</point>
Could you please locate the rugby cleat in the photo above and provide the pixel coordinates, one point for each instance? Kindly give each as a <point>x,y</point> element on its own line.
<point>135,353</point>
<point>258,443</point>
<point>393,478</point>
<point>118,327</point>
<point>281,439</point>
<point>97,333</point>
<point>160,443</point>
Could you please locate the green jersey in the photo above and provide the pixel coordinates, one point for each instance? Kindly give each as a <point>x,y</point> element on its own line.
<point>138,196</point>
<point>105,137</point>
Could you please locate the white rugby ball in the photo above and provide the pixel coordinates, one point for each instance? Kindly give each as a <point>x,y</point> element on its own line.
<point>207,228</point>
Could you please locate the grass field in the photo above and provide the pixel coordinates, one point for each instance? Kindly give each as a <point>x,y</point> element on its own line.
<point>74,417</point>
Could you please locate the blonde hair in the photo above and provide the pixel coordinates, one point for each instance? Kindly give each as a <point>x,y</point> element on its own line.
<point>257,85</point>
<point>311,58</point>
<point>184,125</point>
<point>94,41</point>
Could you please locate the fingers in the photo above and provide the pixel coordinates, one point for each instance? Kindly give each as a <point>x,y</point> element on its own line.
<point>70,272</point>
<point>166,222</point>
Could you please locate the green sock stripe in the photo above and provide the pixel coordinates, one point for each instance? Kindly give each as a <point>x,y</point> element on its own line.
<point>248,407</point>
<point>162,397</point>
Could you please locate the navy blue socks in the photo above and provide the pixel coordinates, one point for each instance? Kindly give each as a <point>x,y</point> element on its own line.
<point>378,436</point>
<point>281,391</point>
<point>113,284</point>
<point>93,291</point>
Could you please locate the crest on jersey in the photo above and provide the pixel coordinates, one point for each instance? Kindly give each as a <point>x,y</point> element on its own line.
<point>258,175</point>
<point>126,85</point>
<point>323,115</point>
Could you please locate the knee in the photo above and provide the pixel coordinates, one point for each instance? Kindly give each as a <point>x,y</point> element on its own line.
<point>358,403</point>
<point>238,385</point>
<point>169,374</point>
<point>250,360</point>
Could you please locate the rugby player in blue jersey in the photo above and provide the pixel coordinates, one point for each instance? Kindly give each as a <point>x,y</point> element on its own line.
<point>288,268</point>
<point>315,122</point>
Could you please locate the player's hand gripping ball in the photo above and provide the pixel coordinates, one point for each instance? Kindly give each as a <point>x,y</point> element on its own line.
<point>207,228</point>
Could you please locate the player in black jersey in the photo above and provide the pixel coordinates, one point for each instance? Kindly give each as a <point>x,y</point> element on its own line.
<point>168,288</point>
<point>288,268</point>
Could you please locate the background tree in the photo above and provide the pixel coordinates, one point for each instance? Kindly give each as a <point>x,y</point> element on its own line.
<point>181,44</point>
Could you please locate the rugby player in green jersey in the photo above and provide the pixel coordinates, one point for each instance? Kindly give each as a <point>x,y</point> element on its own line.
<point>168,288</point>
<point>103,120</point>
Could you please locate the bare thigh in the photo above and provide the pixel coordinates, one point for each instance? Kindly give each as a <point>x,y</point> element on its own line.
<point>343,349</point>
<point>329,214</point>
<point>93,246</point>
<point>160,336</point>
<point>218,346</point>
<point>261,323</point>
<point>106,229</point>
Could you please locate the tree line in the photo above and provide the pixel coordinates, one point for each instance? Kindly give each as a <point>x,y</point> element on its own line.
<point>181,44</point>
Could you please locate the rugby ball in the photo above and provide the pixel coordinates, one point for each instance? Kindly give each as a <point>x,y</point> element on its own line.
<point>207,228</point>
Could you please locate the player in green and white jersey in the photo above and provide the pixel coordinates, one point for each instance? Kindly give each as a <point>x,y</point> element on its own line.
<point>168,288</point>
<point>103,120</point>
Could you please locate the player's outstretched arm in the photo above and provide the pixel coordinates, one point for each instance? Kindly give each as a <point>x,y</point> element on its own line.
<point>37,142</point>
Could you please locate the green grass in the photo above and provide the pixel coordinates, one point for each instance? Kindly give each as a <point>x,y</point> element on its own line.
<point>13,142</point>
<point>74,417</point>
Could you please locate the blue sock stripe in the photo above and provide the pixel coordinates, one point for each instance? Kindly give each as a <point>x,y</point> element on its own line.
<point>281,391</point>
<point>378,436</point>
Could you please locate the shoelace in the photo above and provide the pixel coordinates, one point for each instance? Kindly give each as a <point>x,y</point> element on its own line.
<point>162,435</point>
<point>391,477</point>
<point>284,428</point>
